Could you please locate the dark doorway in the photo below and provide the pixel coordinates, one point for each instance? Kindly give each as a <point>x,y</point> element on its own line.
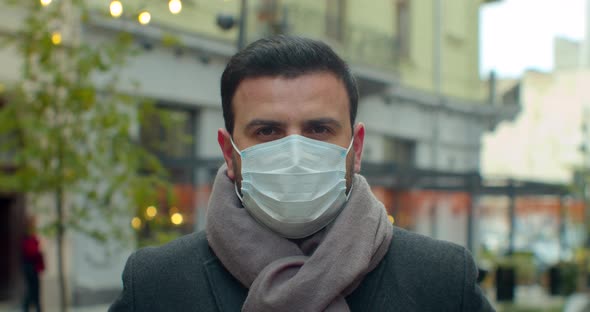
<point>11,220</point>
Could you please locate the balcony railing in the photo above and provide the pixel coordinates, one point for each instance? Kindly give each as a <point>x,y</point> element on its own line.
<point>358,45</point>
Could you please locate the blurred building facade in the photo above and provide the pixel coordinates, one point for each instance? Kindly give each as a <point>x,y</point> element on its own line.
<point>548,142</point>
<point>543,142</point>
<point>416,62</point>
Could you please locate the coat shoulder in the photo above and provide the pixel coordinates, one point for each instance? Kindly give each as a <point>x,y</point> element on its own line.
<point>430,272</point>
<point>425,250</point>
<point>187,250</point>
<point>171,277</point>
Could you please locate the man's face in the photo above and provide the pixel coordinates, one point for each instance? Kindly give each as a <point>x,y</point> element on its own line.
<point>313,105</point>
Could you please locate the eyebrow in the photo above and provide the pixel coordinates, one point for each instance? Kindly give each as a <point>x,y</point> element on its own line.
<point>263,122</point>
<point>323,121</point>
<point>307,123</point>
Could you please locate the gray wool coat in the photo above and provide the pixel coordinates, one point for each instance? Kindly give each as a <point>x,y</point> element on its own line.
<point>417,274</point>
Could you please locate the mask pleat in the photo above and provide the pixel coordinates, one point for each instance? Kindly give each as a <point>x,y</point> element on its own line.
<point>294,185</point>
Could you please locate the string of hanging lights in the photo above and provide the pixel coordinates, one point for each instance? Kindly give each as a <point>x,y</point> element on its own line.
<point>116,9</point>
<point>144,16</point>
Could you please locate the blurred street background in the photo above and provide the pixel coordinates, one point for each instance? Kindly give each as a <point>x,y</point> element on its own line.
<point>477,115</point>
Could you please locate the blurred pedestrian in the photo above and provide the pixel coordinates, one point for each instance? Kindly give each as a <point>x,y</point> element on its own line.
<point>291,224</point>
<point>33,264</point>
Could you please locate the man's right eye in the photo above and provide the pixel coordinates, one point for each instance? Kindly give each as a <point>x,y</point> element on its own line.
<point>267,131</point>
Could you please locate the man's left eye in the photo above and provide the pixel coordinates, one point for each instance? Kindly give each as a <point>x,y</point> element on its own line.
<point>266,131</point>
<point>319,130</point>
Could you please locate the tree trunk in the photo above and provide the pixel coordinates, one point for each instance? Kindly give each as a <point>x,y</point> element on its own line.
<point>60,250</point>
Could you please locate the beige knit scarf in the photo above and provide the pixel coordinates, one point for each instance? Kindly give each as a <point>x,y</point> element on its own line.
<point>310,274</point>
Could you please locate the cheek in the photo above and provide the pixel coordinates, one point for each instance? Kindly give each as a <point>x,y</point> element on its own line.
<point>237,163</point>
<point>350,160</point>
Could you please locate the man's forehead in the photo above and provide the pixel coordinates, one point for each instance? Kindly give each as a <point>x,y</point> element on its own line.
<point>305,98</point>
<point>312,85</point>
<point>300,78</point>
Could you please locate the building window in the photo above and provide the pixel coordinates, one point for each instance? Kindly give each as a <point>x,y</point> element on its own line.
<point>399,151</point>
<point>402,13</point>
<point>168,132</point>
<point>335,19</point>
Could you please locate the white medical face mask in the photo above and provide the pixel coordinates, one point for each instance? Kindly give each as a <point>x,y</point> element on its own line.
<point>295,186</point>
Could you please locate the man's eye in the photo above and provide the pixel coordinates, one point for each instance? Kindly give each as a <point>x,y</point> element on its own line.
<point>320,130</point>
<point>266,131</point>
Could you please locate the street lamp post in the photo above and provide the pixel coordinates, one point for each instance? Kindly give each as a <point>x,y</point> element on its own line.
<point>242,30</point>
<point>227,22</point>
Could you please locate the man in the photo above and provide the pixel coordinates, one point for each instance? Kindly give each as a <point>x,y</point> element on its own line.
<point>291,225</point>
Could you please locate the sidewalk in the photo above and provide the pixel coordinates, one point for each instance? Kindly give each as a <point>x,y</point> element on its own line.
<point>528,298</point>
<point>7,307</point>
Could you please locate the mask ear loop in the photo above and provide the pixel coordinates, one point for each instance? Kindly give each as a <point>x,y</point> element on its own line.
<point>238,193</point>
<point>235,184</point>
<point>350,191</point>
<point>351,182</point>
<point>349,146</point>
<point>234,146</point>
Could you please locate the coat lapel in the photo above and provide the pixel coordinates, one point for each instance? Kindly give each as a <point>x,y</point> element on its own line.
<point>380,290</point>
<point>229,294</point>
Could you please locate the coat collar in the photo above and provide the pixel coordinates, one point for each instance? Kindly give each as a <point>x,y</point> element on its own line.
<point>229,294</point>
<point>381,291</point>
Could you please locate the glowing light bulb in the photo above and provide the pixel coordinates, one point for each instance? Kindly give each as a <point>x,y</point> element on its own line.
<point>176,218</point>
<point>151,212</point>
<point>45,2</point>
<point>175,6</point>
<point>116,8</point>
<point>144,17</point>
<point>56,38</point>
<point>136,223</point>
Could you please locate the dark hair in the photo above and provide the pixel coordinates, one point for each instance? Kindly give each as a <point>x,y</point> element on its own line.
<point>286,56</point>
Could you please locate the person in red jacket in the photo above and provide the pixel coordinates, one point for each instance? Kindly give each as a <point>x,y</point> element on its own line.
<point>33,265</point>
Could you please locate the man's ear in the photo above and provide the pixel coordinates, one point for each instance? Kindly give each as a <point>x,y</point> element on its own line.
<point>224,140</point>
<point>357,144</point>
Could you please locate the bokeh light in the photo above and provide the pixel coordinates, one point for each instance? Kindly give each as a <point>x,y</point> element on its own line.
<point>175,6</point>
<point>144,17</point>
<point>116,8</point>
<point>391,219</point>
<point>177,219</point>
<point>151,212</point>
<point>56,38</point>
<point>136,223</point>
